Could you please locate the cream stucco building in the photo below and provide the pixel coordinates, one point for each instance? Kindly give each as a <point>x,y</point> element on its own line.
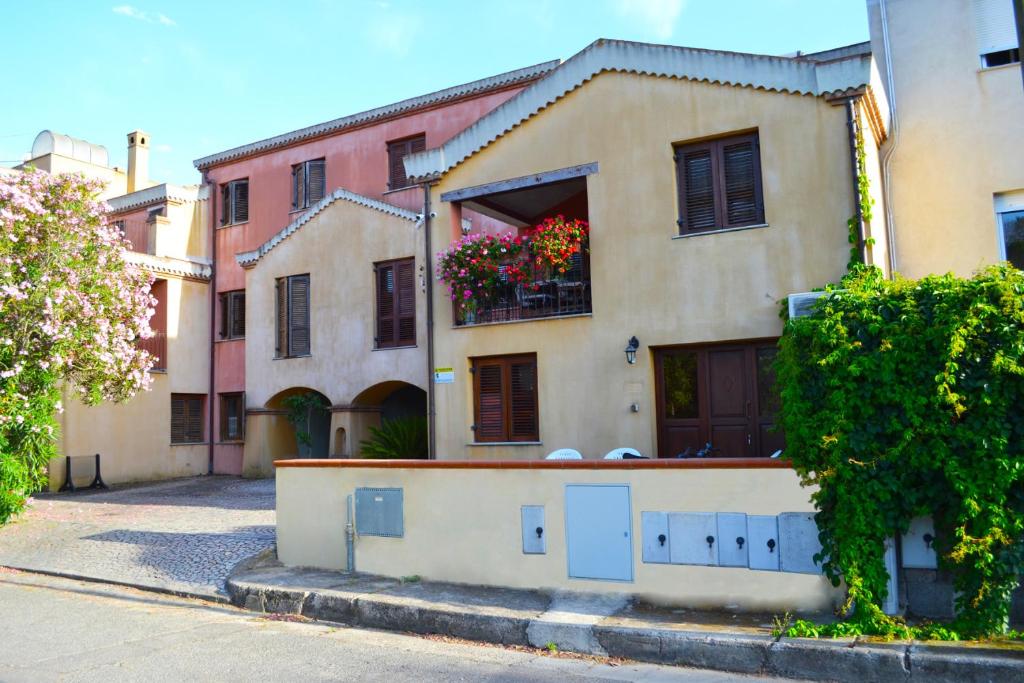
<point>342,261</point>
<point>621,135</point>
<point>955,161</point>
<point>160,433</point>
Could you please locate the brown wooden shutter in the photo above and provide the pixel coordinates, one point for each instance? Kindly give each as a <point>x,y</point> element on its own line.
<point>298,187</point>
<point>237,306</point>
<point>177,419</point>
<point>298,315</point>
<point>396,169</point>
<point>696,177</point>
<point>489,380</point>
<point>397,151</point>
<point>282,318</point>
<point>405,306</point>
<point>194,419</point>
<point>741,180</point>
<point>523,399</point>
<point>224,309</point>
<point>385,306</point>
<point>316,181</point>
<point>225,204</point>
<point>241,213</point>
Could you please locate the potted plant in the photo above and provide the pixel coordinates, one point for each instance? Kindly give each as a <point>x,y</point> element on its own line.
<point>555,241</point>
<point>476,266</point>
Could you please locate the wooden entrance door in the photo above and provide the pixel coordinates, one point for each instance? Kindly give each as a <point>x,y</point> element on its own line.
<point>724,394</point>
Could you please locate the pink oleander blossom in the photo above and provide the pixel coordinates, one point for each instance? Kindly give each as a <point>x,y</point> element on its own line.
<point>72,309</point>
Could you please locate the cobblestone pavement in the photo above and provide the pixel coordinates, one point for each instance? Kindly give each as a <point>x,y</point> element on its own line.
<point>183,536</point>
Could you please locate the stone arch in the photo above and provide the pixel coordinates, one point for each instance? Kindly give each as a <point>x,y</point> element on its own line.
<point>372,407</point>
<point>282,438</point>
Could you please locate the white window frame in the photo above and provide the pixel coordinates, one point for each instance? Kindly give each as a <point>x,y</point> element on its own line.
<point>1006,202</point>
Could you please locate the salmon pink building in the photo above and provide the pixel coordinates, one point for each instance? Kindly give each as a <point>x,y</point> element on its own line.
<point>262,190</point>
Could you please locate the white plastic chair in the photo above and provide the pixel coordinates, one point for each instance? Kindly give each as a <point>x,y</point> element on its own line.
<point>619,452</point>
<point>564,454</point>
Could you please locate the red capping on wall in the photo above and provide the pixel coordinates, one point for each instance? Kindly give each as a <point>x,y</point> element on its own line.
<point>664,464</point>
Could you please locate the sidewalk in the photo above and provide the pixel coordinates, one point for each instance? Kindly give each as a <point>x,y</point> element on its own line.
<point>608,626</point>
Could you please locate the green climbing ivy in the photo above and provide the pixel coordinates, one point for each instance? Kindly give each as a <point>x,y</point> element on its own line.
<point>902,399</point>
<point>866,202</point>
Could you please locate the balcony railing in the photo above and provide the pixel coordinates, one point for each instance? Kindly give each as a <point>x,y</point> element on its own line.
<point>156,345</point>
<point>542,295</point>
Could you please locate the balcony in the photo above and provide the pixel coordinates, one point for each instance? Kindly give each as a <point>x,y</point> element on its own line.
<point>538,294</point>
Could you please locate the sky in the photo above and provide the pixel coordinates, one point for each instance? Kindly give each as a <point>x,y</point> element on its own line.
<point>204,76</point>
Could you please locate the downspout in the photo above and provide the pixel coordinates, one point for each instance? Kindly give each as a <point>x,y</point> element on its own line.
<point>213,315</point>
<point>851,126</point>
<point>894,134</point>
<point>428,265</point>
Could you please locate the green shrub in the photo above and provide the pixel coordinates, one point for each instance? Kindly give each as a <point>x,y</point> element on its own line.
<point>903,399</point>
<point>399,438</point>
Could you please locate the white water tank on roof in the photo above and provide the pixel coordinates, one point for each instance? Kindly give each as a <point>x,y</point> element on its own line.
<point>48,142</point>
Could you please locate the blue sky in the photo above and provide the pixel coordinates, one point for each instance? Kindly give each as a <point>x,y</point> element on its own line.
<point>204,76</point>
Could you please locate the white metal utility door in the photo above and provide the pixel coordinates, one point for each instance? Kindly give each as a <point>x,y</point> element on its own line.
<point>599,532</point>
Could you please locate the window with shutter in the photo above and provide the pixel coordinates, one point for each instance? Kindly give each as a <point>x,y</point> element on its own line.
<point>308,183</point>
<point>719,184</point>
<point>234,202</point>
<point>395,303</point>
<point>397,151</point>
<point>187,418</point>
<point>232,417</point>
<point>232,314</point>
<point>995,31</point>
<point>505,399</point>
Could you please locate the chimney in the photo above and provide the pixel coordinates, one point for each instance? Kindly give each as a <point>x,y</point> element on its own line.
<point>138,160</point>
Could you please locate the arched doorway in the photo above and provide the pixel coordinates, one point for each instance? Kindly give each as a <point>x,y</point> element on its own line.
<point>388,420</point>
<point>305,431</point>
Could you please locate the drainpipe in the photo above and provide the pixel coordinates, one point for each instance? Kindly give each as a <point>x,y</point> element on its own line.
<point>213,314</point>
<point>894,134</point>
<point>428,265</point>
<point>851,126</point>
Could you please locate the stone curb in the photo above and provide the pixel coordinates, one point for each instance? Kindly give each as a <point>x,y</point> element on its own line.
<point>149,588</point>
<point>845,661</point>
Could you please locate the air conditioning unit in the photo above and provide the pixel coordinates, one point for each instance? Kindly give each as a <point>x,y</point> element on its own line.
<point>802,303</point>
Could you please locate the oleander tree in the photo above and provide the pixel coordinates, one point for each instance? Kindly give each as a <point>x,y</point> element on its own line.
<point>72,308</point>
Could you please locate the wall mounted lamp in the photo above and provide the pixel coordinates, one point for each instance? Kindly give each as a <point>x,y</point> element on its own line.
<point>631,346</point>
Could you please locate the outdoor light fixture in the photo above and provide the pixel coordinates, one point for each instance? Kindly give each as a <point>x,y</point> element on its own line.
<point>631,346</point>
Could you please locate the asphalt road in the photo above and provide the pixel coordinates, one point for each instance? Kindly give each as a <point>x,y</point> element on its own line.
<point>54,629</point>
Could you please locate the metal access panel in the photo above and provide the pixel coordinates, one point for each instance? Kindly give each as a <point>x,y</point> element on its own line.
<point>763,541</point>
<point>798,543</point>
<point>693,537</point>
<point>732,539</point>
<point>654,536</point>
<point>598,532</point>
<point>379,512</point>
<point>534,531</point>
<point>918,545</point>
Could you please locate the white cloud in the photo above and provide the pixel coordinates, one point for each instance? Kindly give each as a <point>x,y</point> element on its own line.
<point>164,148</point>
<point>658,17</point>
<point>136,13</point>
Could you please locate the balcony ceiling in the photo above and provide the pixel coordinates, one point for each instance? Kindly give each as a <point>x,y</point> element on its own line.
<point>528,206</point>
